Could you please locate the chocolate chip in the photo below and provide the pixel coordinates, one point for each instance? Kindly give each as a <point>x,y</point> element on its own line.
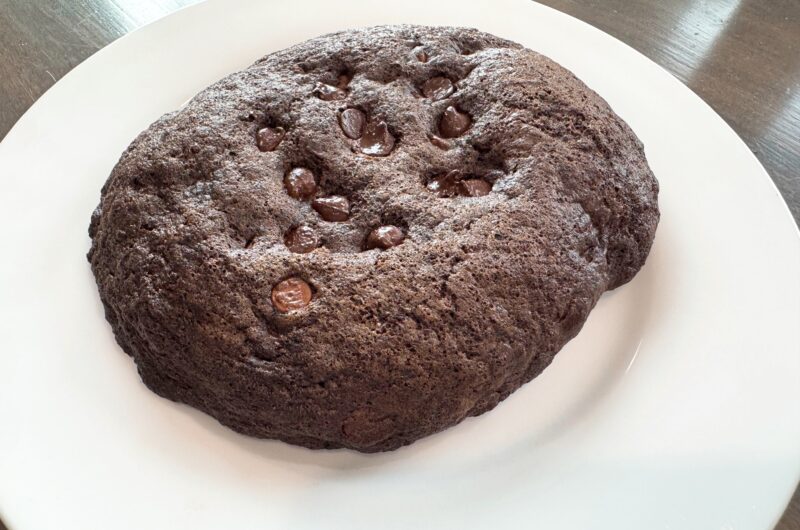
<point>291,294</point>
<point>377,140</point>
<point>492,176</point>
<point>422,56</point>
<point>445,185</point>
<point>301,239</point>
<point>474,187</point>
<point>343,81</point>
<point>334,208</point>
<point>329,93</point>
<point>453,183</point>
<point>352,122</point>
<point>300,183</point>
<point>437,88</point>
<point>385,237</point>
<point>454,122</point>
<point>268,138</point>
<point>439,142</point>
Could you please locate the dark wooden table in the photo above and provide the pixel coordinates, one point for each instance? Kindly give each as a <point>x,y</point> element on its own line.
<point>741,56</point>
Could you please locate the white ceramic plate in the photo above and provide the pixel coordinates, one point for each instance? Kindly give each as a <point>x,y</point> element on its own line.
<point>675,407</point>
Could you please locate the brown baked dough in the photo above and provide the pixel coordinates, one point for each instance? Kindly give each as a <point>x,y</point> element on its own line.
<point>365,238</point>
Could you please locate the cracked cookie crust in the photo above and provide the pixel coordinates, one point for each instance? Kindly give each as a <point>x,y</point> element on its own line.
<point>367,237</point>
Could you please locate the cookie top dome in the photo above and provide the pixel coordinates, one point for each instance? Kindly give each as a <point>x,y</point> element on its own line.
<point>364,238</point>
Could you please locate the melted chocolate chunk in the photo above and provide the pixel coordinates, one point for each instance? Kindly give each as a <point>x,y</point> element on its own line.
<point>437,88</point>
<point>268,138</point>
<point>474,188</point>
<point>445,185</point>
<point>453,183</point>
<point>439,142</point>
<point>290,295</point>
<point>352,122</point>
<point>377,140</point>
<point>300,183</point>
<point>454,122</point>
<point>334,208</point>
<point>301,239</point>
<point>342,81</point>
<point>385,237</point>
<point>329,93</point>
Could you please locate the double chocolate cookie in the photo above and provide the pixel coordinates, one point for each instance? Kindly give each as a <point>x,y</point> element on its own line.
<point>365,238</point>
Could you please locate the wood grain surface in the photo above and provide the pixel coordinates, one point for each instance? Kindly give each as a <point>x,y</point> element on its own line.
<point>740,56</point>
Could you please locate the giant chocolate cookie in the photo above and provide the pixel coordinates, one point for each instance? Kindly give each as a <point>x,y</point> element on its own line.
<point>365,238</point>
